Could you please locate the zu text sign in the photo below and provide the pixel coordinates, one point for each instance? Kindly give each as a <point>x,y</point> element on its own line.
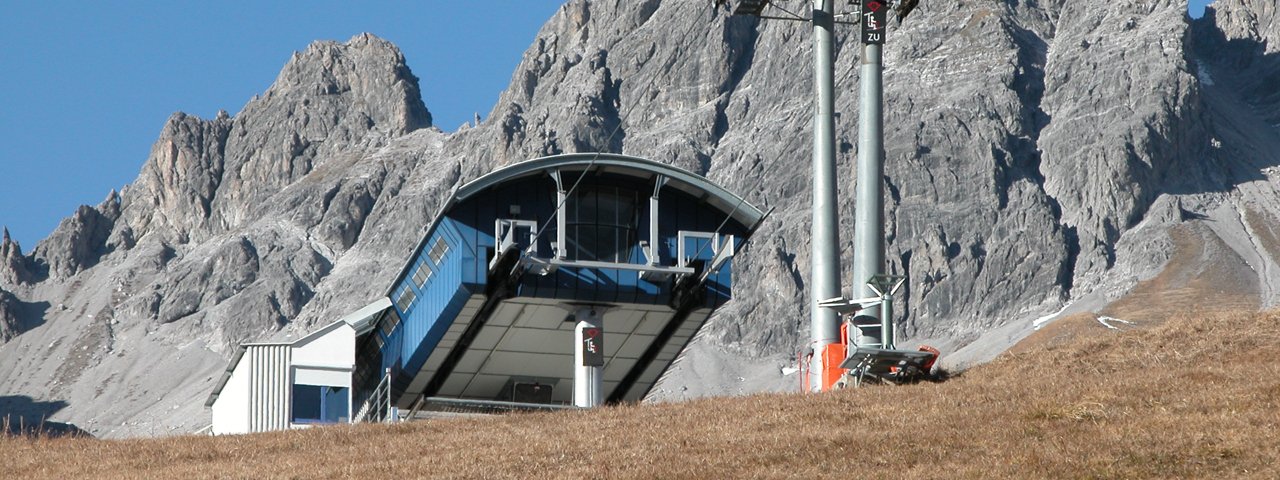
<point>875,14</point>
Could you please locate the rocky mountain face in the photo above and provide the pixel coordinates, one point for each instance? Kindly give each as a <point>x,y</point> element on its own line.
<point>13,264</point>
<point>10,316</point>
<point>1042,158</point>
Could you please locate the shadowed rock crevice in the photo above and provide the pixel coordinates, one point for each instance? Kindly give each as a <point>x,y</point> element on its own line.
<point>1028,82</point>
<point>13,315</point>
<point>1244,44</point>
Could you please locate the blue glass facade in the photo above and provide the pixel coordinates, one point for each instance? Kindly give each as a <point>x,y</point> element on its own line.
<point>609,217</point>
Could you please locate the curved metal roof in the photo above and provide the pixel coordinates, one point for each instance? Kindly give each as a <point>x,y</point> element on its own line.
<point>681,179</point>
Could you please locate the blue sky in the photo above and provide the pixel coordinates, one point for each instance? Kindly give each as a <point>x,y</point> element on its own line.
<point>86,86</point>
<point>1196,7</point>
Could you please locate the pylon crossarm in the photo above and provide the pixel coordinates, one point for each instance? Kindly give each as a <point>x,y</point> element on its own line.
<point>844,306</point>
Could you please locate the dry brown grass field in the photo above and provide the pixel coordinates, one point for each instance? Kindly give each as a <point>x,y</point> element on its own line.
<point>1195,396</point>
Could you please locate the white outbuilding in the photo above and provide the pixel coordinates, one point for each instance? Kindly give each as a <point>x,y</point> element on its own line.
<point>275,386</point>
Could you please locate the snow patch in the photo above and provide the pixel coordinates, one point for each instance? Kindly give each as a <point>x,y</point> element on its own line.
<point>1107,322</point>
<point>1039,322</point>
<point>1203,73</point>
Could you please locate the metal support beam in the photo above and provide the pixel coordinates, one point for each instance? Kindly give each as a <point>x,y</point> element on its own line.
<point>824,324</point>
<point>562,222</point>
<point>868,230</point>
<point>886,323</point>
<point>886,286</point>
<point>653,251</point>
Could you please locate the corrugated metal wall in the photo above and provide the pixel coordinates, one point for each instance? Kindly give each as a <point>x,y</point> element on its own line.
<point>439,301</point>
<point>269,388</point>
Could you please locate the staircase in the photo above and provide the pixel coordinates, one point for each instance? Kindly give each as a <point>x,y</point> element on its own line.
<point>378,408</point>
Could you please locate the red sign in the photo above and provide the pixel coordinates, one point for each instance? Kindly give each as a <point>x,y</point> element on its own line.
<point>592,347</point>
<point>874,18</point>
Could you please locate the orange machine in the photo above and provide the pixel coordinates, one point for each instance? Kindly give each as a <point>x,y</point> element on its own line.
<point>832,356</point>
<point>893,366</point>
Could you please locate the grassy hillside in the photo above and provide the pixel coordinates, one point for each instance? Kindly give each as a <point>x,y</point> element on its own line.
<point>1197,396</point>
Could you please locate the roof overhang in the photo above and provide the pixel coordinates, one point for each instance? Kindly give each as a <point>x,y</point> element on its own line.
<point>226,374</point>
<point>678,178</point>
<point>366,318</point>
<point>530,340</point>
<point>688,182</point>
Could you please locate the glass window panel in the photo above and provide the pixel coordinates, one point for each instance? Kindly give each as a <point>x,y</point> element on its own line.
<point>607,207</point>
<point>406,299</point>
<point>306,403</point>
<point>335,404</point>
<point>439,250</point>
<point>607,241</point>
<point>320,404</point>
<point>389,322</point>
<point>422,274</point>
<point>602,224</point>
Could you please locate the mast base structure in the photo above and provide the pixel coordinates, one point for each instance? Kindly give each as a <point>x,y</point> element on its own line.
<point>862,346</point>
<point>867,350</point>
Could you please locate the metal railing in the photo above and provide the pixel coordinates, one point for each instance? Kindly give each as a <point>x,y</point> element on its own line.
<point>378,409</point>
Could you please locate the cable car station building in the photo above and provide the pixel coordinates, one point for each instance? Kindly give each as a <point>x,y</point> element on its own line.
<point>571,280</point>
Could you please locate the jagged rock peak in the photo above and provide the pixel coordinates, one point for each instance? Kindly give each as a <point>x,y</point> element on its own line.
<point>205,177</point>
<point>9,247</point>
<point>175,190</point>
<point>110,206</point>
<point>367,67</point>
<point>14,267</point>
<point>331,99</point>
<point>79,241</point>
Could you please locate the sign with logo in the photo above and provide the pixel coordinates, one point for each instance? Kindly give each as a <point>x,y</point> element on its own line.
<point>875,16</point>
<point>592,347</point>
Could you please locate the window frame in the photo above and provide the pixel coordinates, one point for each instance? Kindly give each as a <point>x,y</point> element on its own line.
<point>624,232</point>
<point>424,272</point>
<point>325,393</point>
<point>438,251</point>
<point>406,292</point>
<point>390,321</point>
